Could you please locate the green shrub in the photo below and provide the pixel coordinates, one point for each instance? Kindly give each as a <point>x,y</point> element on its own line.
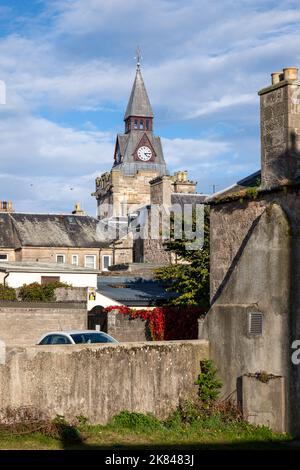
<point>135,421</point>
<point>7,293</point>
<point>209,385</point>
<point>40,292</point>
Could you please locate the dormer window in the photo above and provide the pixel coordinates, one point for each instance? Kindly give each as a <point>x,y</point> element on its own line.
<point>141,124</point>
<point>135,123</point>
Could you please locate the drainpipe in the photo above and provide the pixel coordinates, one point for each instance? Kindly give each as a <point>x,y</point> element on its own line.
<point>5,277</point>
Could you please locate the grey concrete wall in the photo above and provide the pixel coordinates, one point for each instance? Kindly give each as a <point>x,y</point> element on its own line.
<point>99,381</point>
<point>258,398</point>
<point>259,281</point>
<point>232,224</point>
<point>23,323</point>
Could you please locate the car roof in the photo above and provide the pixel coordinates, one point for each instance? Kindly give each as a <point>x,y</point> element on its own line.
<point>72,332</point>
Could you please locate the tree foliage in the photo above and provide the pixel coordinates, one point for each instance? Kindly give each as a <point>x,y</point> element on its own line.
<point>190,278</point>
<point>7,293</point>
<point>40,292</point>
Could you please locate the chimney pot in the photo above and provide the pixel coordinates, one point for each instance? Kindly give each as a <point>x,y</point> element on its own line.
<point>290,73</point>
<point>275,77</point>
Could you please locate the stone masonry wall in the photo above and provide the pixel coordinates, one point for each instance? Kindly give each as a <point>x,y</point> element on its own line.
<point>125,329</point>
<point>231,222</point>
<point>229,225</point>
<point>100,381</point>
<point>280,128</point>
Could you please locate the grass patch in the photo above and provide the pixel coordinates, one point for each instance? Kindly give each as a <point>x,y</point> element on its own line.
<point>187,427</point>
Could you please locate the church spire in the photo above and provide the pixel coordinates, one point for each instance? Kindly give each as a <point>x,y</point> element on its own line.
<point>138,104</point>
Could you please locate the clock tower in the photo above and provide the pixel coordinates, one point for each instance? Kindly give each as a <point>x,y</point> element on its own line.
<point>138,158</point>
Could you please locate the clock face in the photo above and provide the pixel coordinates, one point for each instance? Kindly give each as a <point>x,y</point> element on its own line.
<point>144,153</point>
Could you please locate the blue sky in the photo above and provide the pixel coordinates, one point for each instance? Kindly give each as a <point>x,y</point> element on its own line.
<point>69,66</point>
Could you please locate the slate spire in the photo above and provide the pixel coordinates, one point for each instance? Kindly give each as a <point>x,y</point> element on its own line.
<point>138,104</point>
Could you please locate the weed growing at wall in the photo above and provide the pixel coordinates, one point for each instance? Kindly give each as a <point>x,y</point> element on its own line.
<point>209,385</point>
<point>137,421</point>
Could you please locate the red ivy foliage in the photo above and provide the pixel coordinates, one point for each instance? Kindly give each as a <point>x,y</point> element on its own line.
<point>166,323</point>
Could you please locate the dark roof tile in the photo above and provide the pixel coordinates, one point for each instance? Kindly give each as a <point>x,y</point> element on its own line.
<point>49,230</point>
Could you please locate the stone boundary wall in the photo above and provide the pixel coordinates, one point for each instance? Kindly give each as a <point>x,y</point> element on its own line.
<point>119,326</point>
<point>100,381</point>
<point>22,323</point>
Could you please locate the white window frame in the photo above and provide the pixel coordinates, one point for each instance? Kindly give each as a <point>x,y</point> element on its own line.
<point>76,257</point>
<point>109,262</point>
<point>64,258</point>
<point>90,256</point>
<point>3,260</point>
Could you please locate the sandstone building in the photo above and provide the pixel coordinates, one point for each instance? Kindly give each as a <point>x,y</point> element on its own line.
<point>57,238</point>
<point>138,180</point>
<point>138,158</point>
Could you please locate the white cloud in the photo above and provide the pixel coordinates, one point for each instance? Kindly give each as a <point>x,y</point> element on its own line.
<point>38,146</point>
<point>47,167</point>
<point>193,153</point>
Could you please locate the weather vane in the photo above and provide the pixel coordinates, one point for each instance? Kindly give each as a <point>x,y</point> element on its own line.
<point>138,56</point>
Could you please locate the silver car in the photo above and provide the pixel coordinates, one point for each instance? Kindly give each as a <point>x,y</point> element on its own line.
<point>76,337</point>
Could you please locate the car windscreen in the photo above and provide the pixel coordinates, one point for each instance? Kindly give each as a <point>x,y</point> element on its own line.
<point>80,338</point>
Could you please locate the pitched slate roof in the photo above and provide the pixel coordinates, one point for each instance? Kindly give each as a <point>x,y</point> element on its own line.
<point>139,104</point>
<point>122,142</point>
<point>49,230</point>
<point>38,267</point>
<point>249,181</point>
<point>134,291</point>
<point>8,235</point>
<point>187,198</point>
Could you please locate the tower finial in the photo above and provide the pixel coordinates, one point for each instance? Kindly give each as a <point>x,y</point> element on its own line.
<point>138,57</point>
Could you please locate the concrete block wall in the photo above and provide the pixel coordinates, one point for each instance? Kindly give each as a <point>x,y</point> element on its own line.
<point>24,323</point>
<point>100,381</point>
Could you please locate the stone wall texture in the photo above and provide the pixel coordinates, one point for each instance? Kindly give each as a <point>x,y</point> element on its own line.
<point>100,381</point>
<point>280,128</point>
<point>119,326</point>
<point>24,324</point>
<point>231,224</point>
<point>125,329</point>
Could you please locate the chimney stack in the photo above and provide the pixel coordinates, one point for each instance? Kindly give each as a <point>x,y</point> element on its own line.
<point>77,210</point>
<point>280,129</point>
<point>6,206</point>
